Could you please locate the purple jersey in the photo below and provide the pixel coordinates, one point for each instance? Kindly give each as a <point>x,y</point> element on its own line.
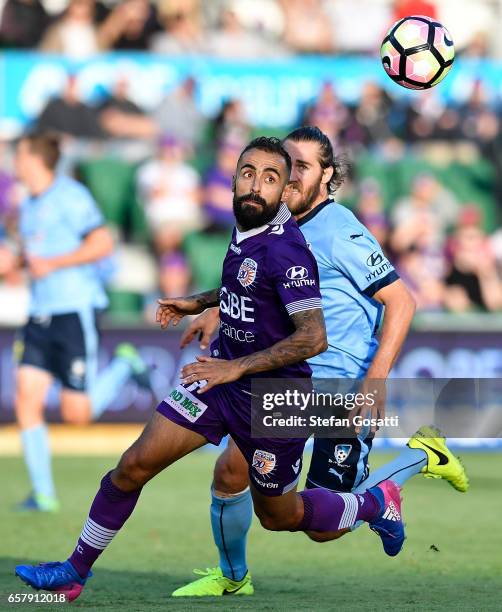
<point>268,274</point>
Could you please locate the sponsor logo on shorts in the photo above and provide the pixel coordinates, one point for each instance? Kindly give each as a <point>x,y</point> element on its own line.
<point>77,368</point>
<point>342,451</point>
<point>186,404</point>
<point>266,485</point>
<point>263,462</point>
<point>247,272</point>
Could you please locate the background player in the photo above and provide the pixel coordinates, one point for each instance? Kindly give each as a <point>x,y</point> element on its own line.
<point>64,240</point>
<point>265,244</point>
<point>356,282</point>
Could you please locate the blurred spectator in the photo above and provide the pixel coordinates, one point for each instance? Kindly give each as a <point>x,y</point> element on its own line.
<point>423,113</point>
<point>371,116</point>
<point>370,210</point>
<point>118,99</point>
<point>328,113</point>
<point>23,23</point>
<point>130,26</point>
<point>427,289</point>
<point>235,41</point>
<point>478,47</point>
<point>74,33</point>
<point>231,125</point>
<point>358,27</point>
<point>68,115</point>
<point>478,122</point>
<point>265,16</point>
<point>307,26</point>
<point>473,281</point>
<point>182,33</point>
<point>405,8</point>
<point>421,219</point>
<point>177,114</point>
<point>217,194</point>
<point>169,190</point>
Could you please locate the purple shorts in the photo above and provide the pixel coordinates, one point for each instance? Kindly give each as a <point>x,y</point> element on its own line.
<point>274,464</point>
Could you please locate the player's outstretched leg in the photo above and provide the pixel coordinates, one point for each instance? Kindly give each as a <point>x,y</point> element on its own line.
<point>326,511</point>
<point>161,443</point>
<point>441,462</point>
<point>231,515</point>
<point>126,364</point>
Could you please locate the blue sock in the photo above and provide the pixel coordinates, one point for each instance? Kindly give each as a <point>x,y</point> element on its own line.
<point>231,519</point>
<point>37,455</point>
<point>408,463</point>
<point>108,385</point>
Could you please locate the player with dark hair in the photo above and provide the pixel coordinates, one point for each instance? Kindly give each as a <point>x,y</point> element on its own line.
<point>356,282</point>
<point>63,240</point>
<point>277,326</point>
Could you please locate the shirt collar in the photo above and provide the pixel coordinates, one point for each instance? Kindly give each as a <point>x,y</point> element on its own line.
<point>280,218</point>
<point>314,212</point>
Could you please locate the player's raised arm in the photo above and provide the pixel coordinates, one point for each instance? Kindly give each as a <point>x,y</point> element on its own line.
<point>308,339</point>
<point>172,310</point>
<point>203,326</point>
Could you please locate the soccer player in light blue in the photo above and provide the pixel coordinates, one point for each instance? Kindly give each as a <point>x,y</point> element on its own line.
<point>64,241</point>
<point>357,281</point>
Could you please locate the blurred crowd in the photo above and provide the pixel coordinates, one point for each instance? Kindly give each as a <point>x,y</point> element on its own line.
<point>236,29</point>
<point>163,177</point>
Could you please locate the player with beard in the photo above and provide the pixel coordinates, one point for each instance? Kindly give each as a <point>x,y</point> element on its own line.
<point>356,282</point>
<point>213,398</point>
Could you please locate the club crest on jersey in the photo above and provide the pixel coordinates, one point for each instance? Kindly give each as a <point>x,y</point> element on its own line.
<point>342,451</point>
<point>247,272</point>
<point>263,462</point>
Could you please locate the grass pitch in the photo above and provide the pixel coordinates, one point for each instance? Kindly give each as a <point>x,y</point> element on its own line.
<point>452,559</point>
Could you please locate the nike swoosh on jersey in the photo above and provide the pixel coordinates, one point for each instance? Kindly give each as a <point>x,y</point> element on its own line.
<point>443,459</point>
<point>352,236</point>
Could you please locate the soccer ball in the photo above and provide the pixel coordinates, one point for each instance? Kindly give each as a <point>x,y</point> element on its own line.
<point>417,52</point>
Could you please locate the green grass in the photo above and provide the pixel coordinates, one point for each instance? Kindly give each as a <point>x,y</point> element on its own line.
<point>169,534</point>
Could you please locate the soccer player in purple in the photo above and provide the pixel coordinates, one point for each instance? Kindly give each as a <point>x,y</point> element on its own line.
<point>269,328</point>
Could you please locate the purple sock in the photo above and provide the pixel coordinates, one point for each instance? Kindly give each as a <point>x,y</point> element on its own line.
<point>109,511</point>
<point>328,511</point>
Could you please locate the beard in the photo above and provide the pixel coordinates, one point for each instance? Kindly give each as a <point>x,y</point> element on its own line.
<point>248,216</point>
<point>305,201</point>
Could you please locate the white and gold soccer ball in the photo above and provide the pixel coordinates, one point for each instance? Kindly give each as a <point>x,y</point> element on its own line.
<point>417,52</point>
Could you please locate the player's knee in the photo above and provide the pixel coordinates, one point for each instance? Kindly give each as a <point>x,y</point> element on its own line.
<point>277,522</point>
<point>229,477</point>
<point>317,536</point>
<point>77,418</point>
<point>131,470</point>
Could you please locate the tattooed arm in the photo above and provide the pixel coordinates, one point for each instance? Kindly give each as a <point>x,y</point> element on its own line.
<point>307,340</point>
<point>172,310</point>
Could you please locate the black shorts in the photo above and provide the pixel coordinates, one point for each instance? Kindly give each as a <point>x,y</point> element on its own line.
<point>339,464</point>
<point>65,345</point>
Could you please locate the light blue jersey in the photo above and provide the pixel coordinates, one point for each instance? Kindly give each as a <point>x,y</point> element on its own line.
<point>55,223</point>
<point>352,268</point>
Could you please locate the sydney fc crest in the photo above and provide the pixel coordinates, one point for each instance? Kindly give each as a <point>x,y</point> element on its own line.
<point>342,451</point>
<point>247,272</point>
